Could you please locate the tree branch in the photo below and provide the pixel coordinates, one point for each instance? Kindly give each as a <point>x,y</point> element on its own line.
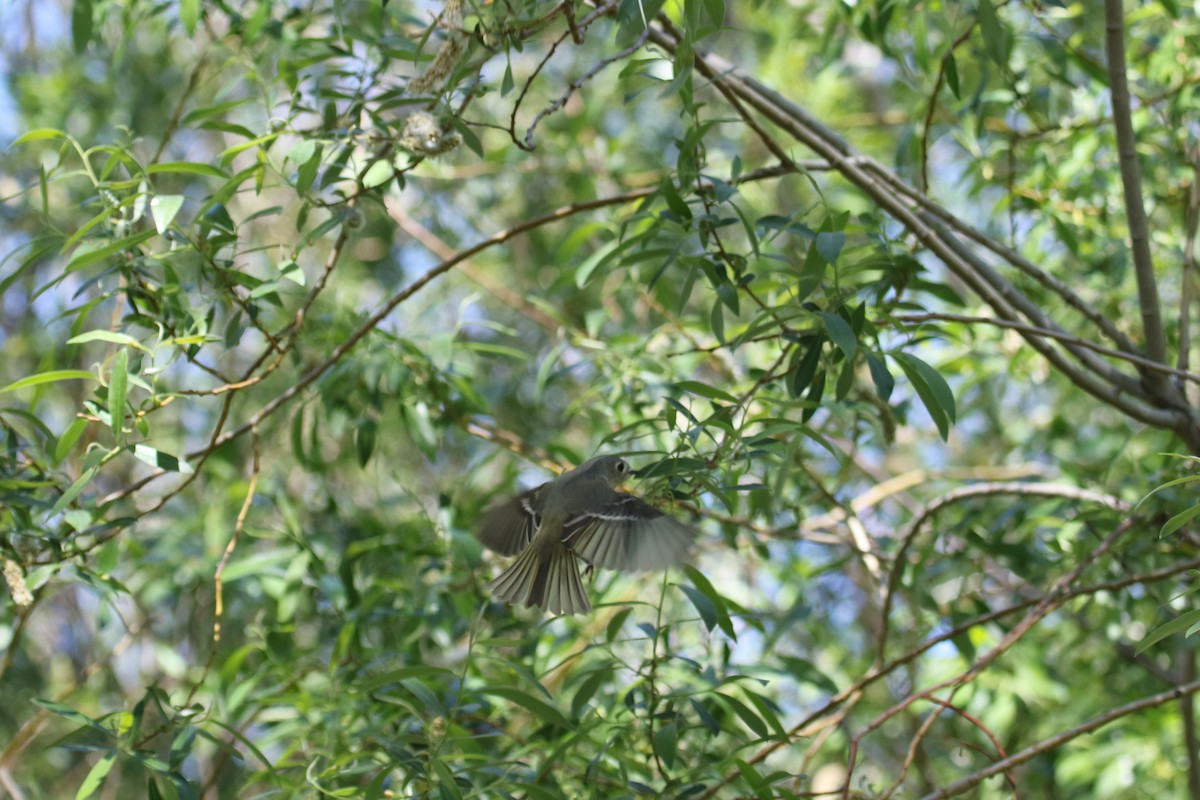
<point>1131,180</point>
<point>1016,759</point>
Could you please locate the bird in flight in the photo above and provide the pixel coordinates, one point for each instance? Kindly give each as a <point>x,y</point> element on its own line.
<point>578,515</point>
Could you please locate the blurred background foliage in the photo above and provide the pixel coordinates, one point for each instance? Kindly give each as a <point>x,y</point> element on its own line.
<point>292,291</point>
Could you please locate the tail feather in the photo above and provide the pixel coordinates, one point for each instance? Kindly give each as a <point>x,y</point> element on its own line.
<point>551,584</point>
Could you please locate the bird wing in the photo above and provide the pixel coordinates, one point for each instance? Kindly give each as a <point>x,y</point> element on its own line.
<point>510,526</point>
<point>627,533</point>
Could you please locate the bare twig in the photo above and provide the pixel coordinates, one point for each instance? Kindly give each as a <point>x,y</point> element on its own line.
<point>575,85</point>
<point>1033,330</point>
<point>818,719</point>
<point>1016,759</point>
<point>977,490</point>
<point>1054,598</point>
<point>218,590</point>
<point>933,97</point>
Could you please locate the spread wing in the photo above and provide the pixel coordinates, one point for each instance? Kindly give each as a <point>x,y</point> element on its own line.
<point>509,526</point>
<point>627,533</point>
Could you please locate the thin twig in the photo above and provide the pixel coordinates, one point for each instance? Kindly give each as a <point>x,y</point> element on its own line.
<point>1034,330</point>
<point>1064,491</point>
<point>576,84</point>
<point>1016,759</point>
<point>218,589</point>
<point>1054,598</point>
<point>933,96</point>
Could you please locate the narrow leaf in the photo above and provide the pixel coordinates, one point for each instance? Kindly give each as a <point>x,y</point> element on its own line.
<point>112,337</point>
<point>97,774</point>
<point>118,387</point>
<point>540,709</point>
<point>704,390</point>
<point>840,333</point>
<point>186,168</point>
<point>157,458</point>
<point>1177,625</point>
<point>81,24</point>
<point>48,377</point>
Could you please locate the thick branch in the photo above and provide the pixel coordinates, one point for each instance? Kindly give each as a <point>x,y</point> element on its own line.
<point>1131,181</point>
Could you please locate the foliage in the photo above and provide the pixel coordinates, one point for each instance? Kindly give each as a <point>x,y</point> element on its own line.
<point>293,291</point>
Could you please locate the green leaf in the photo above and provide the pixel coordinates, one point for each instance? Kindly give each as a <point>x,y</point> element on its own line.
<point>932,389</point>
<point>325,227</point>
<point>704,390</point>
<point>813,397</point>
<point>704,607</point>
<point>952,75</point>
<point>750,775</point>
<point>802,374</point>
<point>96,775</point>
<point>48,377</point>
<point>66,712</point>
<point>601,255</point>
<point>181,745</point>
<point>82,18</point>
<point>829,244</point>
<point>1179,520</point>
<point>68,439</point>
<point>588,688</point>
<point>840,333</point>
<point>447,786</point>
<point>85,256</point>
<point>157,458</point>
<point>186,168</point>
<point>993,33</point>
<point>1177,625</point>
<point>118,386</point>
<point>673,199</point>
<point>420,427</point>
<point>468,135</point>
<point>163,209</point>
<point>715,9</point>
<point>376,682</point>
<point>716,321</point>
<point>540,709</point>
<point>40,134</point>
<point>666,741</point>
<point>718,603</point>
<point>72,491</point>
<point>752,720</point>
<point>884,382</point>
<point>364,440</point>
<point>189,15</point>
<point>112,337</point>
<point>506,83</point>
<point>614,625</point>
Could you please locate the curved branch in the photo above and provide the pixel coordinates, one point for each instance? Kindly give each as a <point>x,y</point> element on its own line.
<point>1016,759</point>
<point>1166,409</point>
<point>1065,491</point>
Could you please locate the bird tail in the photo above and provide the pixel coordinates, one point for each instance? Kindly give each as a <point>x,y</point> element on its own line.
<point>552,584</point>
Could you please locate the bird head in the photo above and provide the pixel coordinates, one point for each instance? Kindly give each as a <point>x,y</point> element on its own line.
<point>610,469</point>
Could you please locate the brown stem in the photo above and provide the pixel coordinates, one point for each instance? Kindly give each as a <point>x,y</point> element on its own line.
<point>1016,759</point>
<point>1131,181</point>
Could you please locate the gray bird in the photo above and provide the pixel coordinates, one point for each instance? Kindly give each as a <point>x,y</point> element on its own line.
<point>577,515</point>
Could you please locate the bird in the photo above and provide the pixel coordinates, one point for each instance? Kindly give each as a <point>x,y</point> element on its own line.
<point>578,515</point>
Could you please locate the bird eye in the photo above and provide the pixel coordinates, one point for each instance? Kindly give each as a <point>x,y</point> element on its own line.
<point>622,466</point>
